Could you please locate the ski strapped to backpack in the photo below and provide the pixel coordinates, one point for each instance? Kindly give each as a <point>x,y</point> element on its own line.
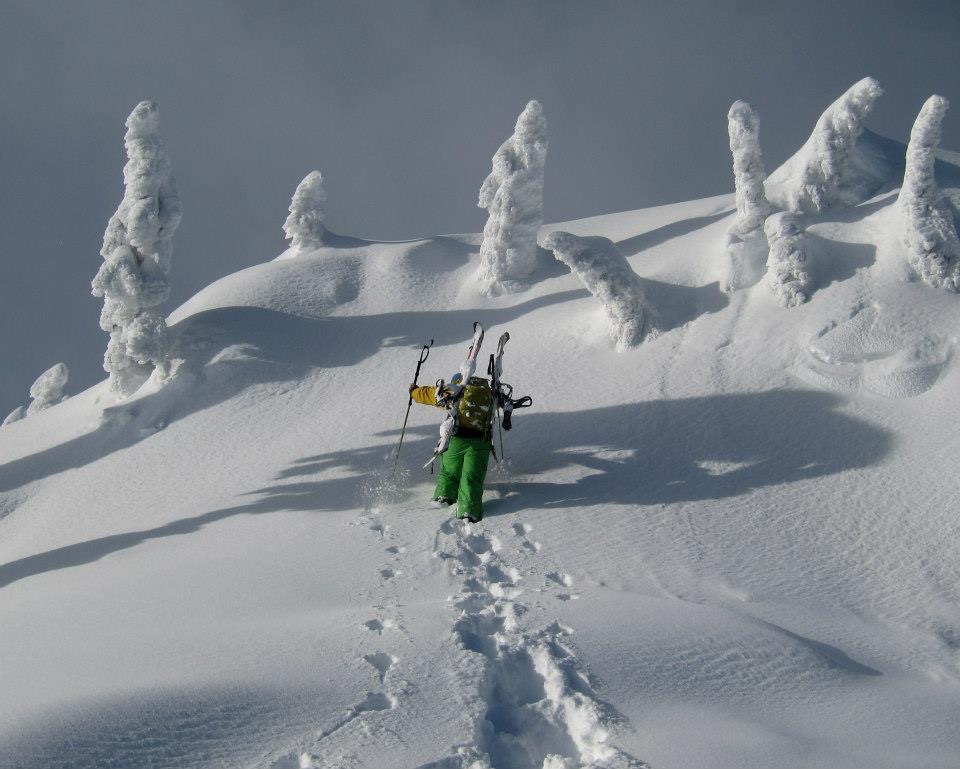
<point>503,392</point>
<point>448,394</point>
<point>469,400</point>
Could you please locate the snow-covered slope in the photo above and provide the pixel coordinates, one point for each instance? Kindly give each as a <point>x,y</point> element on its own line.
<point>734,545</point>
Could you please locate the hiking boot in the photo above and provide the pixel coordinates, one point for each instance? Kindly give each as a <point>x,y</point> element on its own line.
<point>442,502</point>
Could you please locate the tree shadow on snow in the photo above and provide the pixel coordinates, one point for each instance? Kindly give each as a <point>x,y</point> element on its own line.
<point>833,261</point>
<point>657,452</point>
<point>674,304</point>
<point>645,240</point>
<point>649,453</point>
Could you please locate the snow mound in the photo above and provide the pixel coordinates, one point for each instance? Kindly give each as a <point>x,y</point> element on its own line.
<point>878,352</point>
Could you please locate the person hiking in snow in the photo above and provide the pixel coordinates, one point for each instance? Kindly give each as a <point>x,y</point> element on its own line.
<point>466,436</point>
<point>463,465</point>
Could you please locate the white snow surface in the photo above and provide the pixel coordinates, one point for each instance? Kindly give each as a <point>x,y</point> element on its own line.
<point>736,544</point>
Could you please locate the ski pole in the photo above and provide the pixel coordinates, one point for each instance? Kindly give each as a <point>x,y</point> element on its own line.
<point>424,354</point>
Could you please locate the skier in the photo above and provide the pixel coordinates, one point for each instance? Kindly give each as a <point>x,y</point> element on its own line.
<point>463,465</point>
<point>467,434</point>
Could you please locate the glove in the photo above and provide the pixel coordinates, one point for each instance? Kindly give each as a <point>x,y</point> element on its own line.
<point>411,388</point>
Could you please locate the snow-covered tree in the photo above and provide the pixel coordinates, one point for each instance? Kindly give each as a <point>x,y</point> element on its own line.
<point>137,250</point>
<point>787,262</point>
<point>14,416</point>
<point>513,196</point>
<point>47,391</point>
<point>752,206</point>
<point>608,276</point>
<point>304,226</point>
<point>826,156</point>
<point>930,236</point>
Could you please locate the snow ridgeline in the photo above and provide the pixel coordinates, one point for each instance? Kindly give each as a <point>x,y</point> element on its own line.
<point>45,392</point>
<point>133,280</point>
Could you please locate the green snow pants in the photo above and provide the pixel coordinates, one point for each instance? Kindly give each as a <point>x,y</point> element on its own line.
<point>463,467</point>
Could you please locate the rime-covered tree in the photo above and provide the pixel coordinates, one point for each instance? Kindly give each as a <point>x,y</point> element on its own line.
<point>513,196</point>
<point>137,250</point>
<point>47,391</point>
<point>787,262</point>
<point>825,158</point>
<point>752,206</point>
<point>14,416</point>
<point>930,237</point>
<point>608,276</point>
<point>304,226</point>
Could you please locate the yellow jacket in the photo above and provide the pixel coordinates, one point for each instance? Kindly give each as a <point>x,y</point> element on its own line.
<point>427,395</point>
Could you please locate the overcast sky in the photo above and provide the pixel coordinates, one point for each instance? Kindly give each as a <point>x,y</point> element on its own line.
<point>401,105</point>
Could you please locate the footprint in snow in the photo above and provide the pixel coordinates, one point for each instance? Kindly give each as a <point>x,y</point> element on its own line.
<point>381,662</point>
<point>379,626</point>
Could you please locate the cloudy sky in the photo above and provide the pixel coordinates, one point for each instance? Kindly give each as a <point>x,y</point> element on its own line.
<point>401,105</point>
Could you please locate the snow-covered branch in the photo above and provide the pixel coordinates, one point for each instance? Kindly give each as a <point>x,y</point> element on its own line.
<point>930,236</point>
<point>608,276</point>
<point>513,196</point>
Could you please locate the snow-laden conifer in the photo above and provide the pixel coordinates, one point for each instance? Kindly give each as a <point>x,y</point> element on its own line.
<point>14,416</point>
<point>930,236</point>
<point>787,261</point>
<point>304,226</point>
<point>513,196</point>
<point>137,249</point>
<point>752,206</point>
<point>47,391</point>
<point>826,155</point>
<point>608,276</point>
